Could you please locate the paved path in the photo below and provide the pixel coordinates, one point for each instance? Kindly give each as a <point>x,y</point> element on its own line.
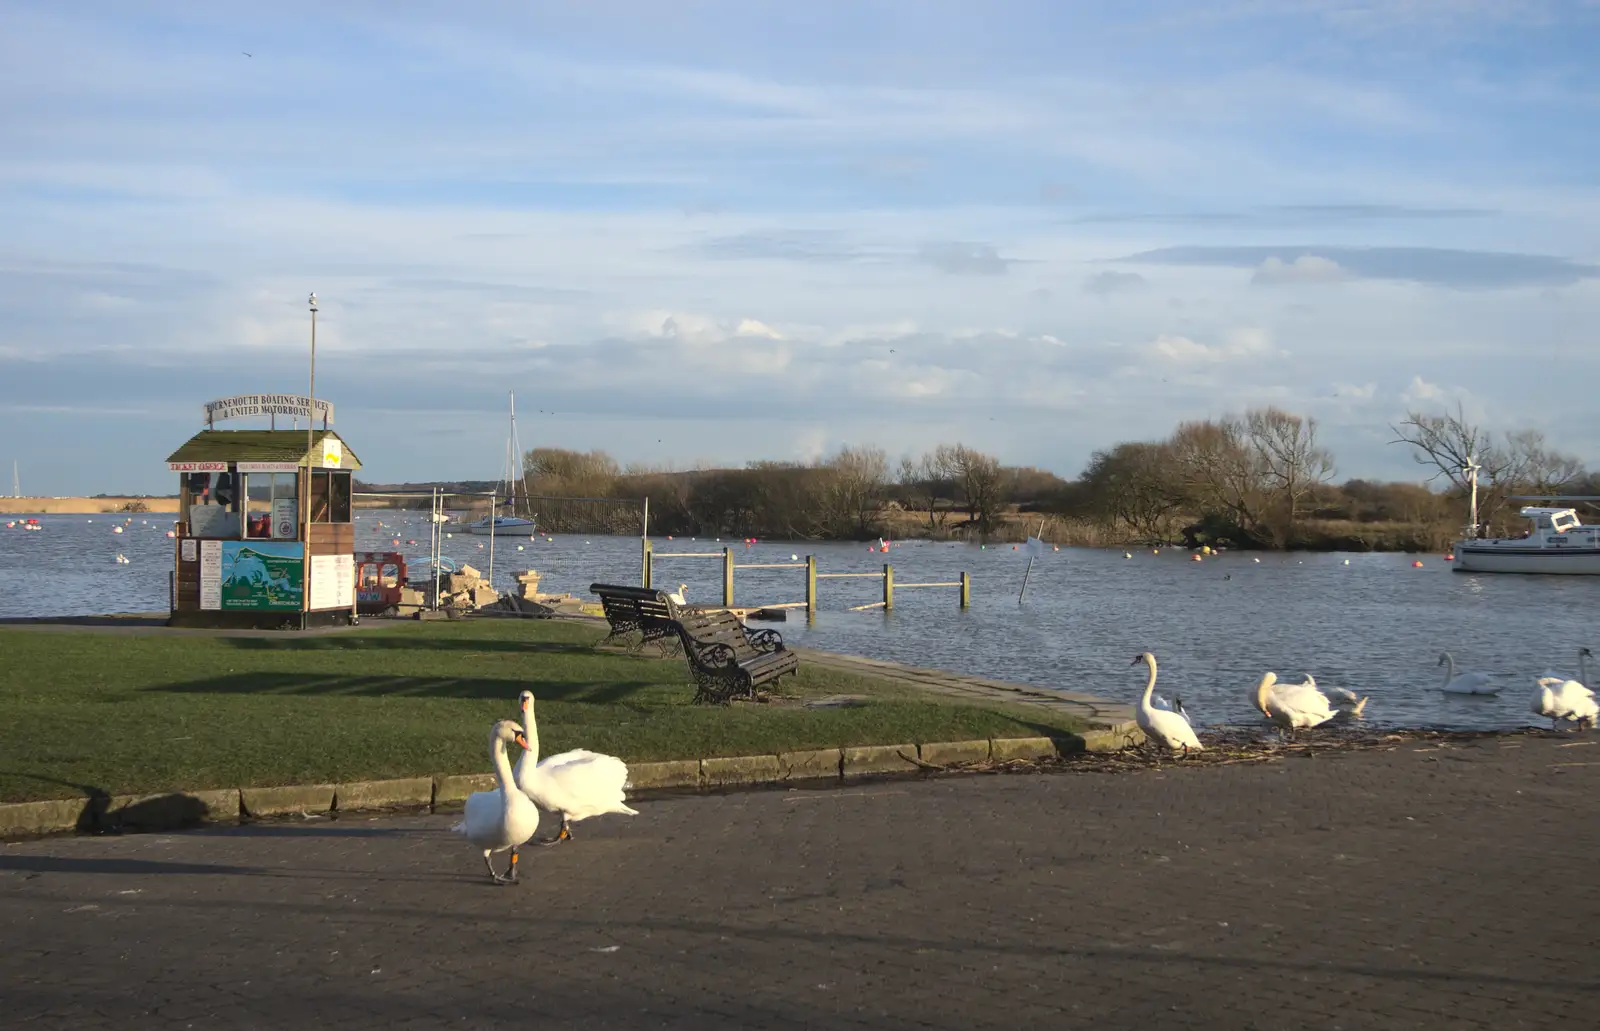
<point>1422,887</point>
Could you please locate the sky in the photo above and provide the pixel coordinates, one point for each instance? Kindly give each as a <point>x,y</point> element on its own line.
<point>702,233</point>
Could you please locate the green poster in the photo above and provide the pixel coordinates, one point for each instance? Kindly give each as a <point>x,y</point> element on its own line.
<point>262,574</point>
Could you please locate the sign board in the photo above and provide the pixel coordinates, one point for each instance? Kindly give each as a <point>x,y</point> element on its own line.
<point>198,467</point>
<point>211,575</point>
<point>285,517</point>
<point>333,581</point>
<point>188,549</point>
<point>332,453</point>
<point>262,575</point>
<point>266,467</point>
<point>245,405</point>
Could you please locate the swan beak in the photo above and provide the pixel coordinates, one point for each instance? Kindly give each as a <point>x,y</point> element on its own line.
<point>522,741</point>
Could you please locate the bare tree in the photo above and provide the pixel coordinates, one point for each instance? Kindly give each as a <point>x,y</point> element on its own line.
<point>978,479</point>
<point>927,481</point>
<point>854,490</point>
<point>1220,472</point>
<point>1452,445</point>
<point>1290,465</point>
<point>1133,484</point>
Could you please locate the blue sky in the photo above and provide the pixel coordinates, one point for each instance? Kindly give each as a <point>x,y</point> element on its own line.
<point>709,232</point>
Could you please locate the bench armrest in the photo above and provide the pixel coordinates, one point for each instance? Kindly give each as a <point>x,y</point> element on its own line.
<point>765,639</point>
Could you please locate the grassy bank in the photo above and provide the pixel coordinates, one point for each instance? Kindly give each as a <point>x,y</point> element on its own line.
<point>143,713</point>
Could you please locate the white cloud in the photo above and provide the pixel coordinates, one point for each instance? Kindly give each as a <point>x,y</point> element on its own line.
<point>1420,390</point>
<point>1239,344</point>
<point>1355,391</point>
<point>1308,268</point>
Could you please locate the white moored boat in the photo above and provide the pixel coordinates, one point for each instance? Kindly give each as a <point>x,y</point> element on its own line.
<point>1557,543</point>
<point>503,525</point>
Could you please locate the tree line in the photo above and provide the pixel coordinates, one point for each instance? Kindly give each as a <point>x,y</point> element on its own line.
<point>1260,479</point>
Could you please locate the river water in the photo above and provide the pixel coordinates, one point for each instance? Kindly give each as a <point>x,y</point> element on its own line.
<point>1369,622</point>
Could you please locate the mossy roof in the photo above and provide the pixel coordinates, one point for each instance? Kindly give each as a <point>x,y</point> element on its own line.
<point>257,446</point>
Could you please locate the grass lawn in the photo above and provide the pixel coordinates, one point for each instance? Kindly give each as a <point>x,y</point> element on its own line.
<point>126,713</point>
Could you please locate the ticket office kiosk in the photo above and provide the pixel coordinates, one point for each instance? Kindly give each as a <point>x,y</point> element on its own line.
<point>246,555</point>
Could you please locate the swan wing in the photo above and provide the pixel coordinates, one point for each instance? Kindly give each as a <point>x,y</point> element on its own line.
<point>1170,729</point>
<point>580,786</point>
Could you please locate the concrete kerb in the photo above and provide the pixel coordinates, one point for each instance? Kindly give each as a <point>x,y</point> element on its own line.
<point>177,809</point>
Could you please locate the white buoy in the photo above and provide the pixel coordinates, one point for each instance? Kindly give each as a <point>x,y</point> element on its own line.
<point>1127,554</point>
<point>1256,561</point>
<point>520,547</point>
<point>449,535</point>
<point>1347,562</point>
<point>794,558</point>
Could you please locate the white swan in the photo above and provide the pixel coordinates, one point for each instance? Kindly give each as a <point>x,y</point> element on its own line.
<point>1464,683</point>
<point>677,596</point>
<point>1293,706</point>
<point>577,784</point>
<point>1344,699</point>
<point>1563,699</point>
<point>1167,726</point>
<point>503,818</point>
<point>1176,705</point>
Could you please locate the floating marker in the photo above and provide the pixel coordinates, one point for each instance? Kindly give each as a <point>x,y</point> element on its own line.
<point>1417,564</point>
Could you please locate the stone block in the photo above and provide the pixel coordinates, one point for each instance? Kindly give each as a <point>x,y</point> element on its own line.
<point>739,769</point>
<point>820,762</point>
<point>378,794</point>
<point>467,570</point>
<point>23,819</point>
<point>485,596</point>
<point>456,788</point>
<point>297,798</point>
<point>1002,748</point>
<point>949,753</point>
<point>879,759</point>
<point>411,596</point>
<point>172,810</point>
<point>676,773</point>
<point>1109,739</point>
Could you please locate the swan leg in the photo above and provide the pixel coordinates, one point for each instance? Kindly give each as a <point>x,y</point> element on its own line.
<point>565,833</point>
<point>490,864</point>
<point>511,872</point>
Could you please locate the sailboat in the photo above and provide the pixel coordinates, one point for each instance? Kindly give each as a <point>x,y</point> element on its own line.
<point>512,524</point>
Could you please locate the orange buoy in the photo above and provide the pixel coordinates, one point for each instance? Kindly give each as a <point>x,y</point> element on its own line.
<point>1195,557</point>
<point>1449,558</point>
<point>1417,564</point>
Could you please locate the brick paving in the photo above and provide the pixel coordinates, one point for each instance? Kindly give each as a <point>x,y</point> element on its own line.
<point>1421,887</point>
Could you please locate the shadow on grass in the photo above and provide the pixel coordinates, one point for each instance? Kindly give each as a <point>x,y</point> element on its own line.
<point>392,644</point>
<point>598,692</point>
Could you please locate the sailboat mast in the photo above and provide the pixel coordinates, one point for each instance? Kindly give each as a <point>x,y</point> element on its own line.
<point>16,482</point>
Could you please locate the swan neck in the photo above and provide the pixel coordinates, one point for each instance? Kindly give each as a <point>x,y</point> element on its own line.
<point>1263,688</point>
<point>502,766</point>
<point>1449,667</point>
<point>1150,683</point>
<point>1583,669</point>
<point>531,732</point>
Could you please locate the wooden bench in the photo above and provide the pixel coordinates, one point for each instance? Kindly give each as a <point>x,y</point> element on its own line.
<point>728,659</point>
<point>642,610</point>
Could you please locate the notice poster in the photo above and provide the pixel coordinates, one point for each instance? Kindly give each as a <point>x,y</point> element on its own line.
<point>285,517</point>
<point>332,453</point>
<point>333,581</point>
<point>210,575</point>
<point>188,549</point>
<point>262,575</point>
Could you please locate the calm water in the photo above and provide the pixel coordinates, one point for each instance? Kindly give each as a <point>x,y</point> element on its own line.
<point>1375,625</point>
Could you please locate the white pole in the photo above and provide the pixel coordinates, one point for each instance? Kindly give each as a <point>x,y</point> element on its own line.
<point>493,497</point>
<point>311,446</point>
